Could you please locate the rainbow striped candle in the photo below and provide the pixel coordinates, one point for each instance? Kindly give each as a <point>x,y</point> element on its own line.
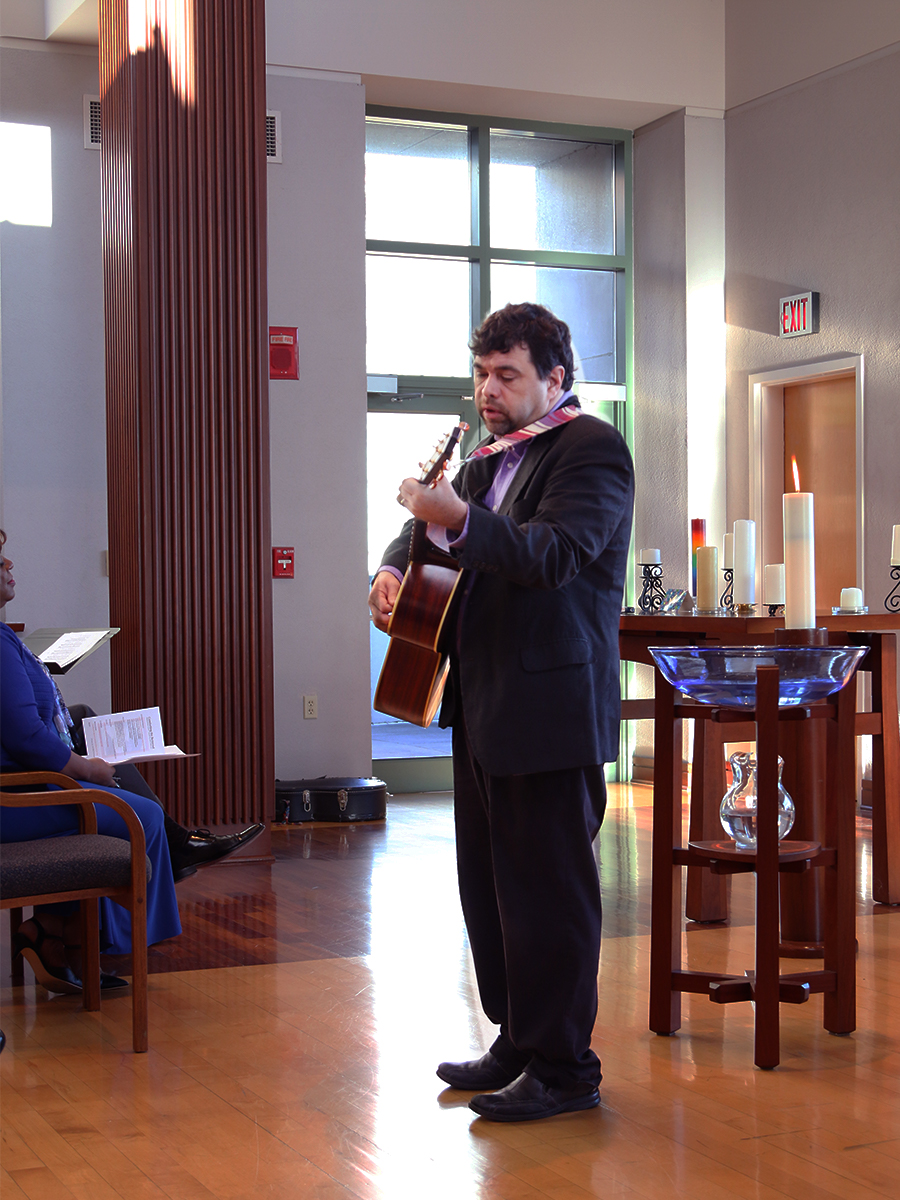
<point>698,538</point>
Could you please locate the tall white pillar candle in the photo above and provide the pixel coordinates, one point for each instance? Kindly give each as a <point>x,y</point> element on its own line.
<point>707,577</point>
<point>744,562</point>
<point>773,584</point>
<point>799,561</point>
<point>895,547</point>
<point>728,552</point>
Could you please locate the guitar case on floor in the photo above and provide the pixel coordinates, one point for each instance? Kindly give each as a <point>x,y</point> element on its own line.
<point>330,799</point>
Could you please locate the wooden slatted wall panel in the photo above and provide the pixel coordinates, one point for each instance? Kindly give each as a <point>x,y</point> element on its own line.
<point>184,237</point>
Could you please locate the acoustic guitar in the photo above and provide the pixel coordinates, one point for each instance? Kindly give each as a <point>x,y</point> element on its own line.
<point>421,625</point>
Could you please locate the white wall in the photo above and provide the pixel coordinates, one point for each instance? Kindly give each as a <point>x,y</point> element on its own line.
<point>594,62</point>
<point>54,430</point>
<point>317,282</point>
<point>770,44</point>
<point>657,55</point>
<point>811,203</point>
<point>54,440</point>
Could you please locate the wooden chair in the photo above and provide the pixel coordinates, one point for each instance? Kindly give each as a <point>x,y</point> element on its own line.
<point>83,867</point>
<point>763,985</point>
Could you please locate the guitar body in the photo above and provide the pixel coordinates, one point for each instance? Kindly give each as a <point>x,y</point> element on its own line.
<point>415,667</point>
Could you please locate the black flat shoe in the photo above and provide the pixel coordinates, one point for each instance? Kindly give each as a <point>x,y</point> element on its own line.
<point>204,847</point>
<point>527,1099</point>
<point>54,979</point>
<point>480,1075</point>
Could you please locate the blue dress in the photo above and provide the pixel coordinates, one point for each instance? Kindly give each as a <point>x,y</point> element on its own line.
<point>29,741</point>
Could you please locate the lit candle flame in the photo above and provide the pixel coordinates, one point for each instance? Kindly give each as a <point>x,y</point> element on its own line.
<point>796,473</point>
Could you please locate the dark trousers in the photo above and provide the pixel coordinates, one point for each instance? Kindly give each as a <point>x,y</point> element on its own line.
<point>531,901</point>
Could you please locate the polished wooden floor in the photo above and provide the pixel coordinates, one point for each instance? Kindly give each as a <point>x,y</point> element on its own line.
<point>296,1024</point>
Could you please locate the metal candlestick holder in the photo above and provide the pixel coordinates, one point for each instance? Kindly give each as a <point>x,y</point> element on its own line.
<point>727,598</point>
<point>652,593</point>
<point>776,610</point>
<point>892,602</point>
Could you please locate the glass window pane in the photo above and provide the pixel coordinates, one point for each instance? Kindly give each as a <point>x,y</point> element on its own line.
<point>417,316</point>
<point>549,194</point>
<point>396,444</point>
<point>585,300</point>
<point>417,183</point>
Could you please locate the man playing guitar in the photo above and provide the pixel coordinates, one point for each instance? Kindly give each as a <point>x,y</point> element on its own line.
<point>539,521</point>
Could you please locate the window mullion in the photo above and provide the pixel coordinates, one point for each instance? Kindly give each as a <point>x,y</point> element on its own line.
<point>481,290</point>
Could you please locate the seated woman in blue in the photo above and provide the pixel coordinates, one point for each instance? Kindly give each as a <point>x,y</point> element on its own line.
<point>35,735</point>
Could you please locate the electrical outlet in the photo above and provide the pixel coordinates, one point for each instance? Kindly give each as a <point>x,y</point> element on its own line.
<point>310,707</point>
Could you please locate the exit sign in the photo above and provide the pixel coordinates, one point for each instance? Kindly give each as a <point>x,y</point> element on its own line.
<point>798,315</point>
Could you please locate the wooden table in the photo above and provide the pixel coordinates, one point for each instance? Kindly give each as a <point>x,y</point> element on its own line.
<point>803,750</point>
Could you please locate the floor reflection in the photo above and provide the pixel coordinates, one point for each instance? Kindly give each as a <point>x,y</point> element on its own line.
<point>296,1025</point>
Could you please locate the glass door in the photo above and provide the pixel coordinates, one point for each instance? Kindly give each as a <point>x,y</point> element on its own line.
<point>397,442</point>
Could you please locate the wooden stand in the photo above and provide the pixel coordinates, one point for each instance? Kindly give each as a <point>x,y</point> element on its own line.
<point>763,985</point>
<point>803,907</point>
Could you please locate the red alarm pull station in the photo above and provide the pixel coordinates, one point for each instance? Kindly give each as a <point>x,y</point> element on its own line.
<point>282,562</point>
<point>284,362</point>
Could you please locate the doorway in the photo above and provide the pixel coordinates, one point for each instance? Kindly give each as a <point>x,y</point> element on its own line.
<point>813,412</point>
<point>820,436</point>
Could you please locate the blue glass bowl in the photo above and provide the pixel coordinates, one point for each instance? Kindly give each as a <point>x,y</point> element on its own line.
<point>726,675</point>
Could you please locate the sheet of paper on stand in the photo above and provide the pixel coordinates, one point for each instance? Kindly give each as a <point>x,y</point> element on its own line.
<point>71,646</point>
<point>134,736</point>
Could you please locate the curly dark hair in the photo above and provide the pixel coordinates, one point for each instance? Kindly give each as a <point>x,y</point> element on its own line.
<point>546,336</point>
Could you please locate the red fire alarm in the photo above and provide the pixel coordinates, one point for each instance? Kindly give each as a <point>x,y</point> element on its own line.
<point>284,362</point>
<point>282,562</point>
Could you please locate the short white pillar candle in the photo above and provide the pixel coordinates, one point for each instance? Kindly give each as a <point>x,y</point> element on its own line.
<point>707,577</point>
<point>851,598</point>
<point>650,556</point>
<point>773,584</point>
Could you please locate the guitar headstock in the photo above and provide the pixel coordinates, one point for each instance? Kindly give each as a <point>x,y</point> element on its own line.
<point>443,452</point>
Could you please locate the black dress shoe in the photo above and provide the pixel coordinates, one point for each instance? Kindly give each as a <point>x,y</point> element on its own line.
<point>481,1074</point>
<point>527,1099</point>
<point>204,847</point>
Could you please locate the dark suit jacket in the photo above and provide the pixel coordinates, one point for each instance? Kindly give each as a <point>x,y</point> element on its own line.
<point>536,666</point>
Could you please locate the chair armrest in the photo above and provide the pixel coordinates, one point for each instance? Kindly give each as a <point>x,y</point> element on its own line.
<point>28,778</point>
<point>87,818</point>
<point>85,799</point>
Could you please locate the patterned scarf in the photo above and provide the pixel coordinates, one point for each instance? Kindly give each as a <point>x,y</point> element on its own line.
<point>558,416</point>
<point>62,719</point>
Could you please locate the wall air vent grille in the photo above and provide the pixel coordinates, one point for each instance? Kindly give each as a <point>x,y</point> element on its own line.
<point>273,137</point>
<point>92,126</point>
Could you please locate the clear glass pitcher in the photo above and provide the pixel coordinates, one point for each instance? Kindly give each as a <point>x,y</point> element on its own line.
<point>737,811</point>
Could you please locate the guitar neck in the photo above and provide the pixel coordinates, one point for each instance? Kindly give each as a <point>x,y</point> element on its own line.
<point>421,550</point>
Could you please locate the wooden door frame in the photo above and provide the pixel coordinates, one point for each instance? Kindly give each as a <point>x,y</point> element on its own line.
<point>767,449</point>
